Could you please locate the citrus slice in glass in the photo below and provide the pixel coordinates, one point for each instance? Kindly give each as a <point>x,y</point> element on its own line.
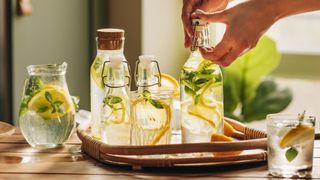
<point>297,135</point>
<point>96,72</point>
<point>223,138</point>
<point>210,94</point>
<point>117,114</point>
<point>153,119</point>
<point>209,115</point>
<point>170,83</point>
<point>40,102</point>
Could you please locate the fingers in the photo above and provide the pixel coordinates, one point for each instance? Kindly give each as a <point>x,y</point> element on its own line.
<point>186,12</point>
<point>210,17</point>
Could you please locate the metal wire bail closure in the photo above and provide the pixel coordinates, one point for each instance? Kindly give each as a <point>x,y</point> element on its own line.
<point>104,77</point>
<point>158,76</point>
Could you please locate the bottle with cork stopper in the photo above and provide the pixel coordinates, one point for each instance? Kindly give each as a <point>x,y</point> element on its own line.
<point>109,42</point>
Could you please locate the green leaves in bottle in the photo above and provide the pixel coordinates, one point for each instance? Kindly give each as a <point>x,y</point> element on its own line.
<point>147,96</point>
<point>111,101</point>
<point>195,80</point>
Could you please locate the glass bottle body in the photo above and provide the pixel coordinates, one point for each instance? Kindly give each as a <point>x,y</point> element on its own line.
<point>47,112</point>
<point>115,117</point>
<point>151,109</point>
<point>97,90</point>
<point>115,111</point>
<point>201,99</point>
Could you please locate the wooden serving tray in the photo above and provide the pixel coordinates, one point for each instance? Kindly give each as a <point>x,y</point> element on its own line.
<point>252,142</point>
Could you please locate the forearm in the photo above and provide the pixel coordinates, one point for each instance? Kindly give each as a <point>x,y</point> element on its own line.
<point>283,8</point>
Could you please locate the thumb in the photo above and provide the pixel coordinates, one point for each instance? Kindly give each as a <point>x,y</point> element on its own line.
<point>209,17</point>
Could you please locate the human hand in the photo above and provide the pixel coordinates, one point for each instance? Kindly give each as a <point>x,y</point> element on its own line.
<point>245,24</point>
<point>189,6</point>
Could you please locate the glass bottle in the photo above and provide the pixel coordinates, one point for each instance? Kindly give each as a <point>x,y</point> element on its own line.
<point>115,114</point>
<point>201,92</point>
<point>47,112</point>
<point>109,42</point>
<point>151,109</point>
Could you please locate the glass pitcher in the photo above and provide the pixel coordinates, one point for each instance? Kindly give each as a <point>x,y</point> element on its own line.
<point>46,116</point>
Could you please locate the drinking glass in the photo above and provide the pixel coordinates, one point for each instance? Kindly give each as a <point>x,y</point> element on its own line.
<point>290,144</point>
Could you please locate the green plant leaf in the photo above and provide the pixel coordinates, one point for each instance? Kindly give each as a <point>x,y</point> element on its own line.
<point>146,94</point>
<point>189,91</point>
<point>43,109</point>
<point>269,99</point>
<point>24,105</point>
<point>48,96</point>
<point>33,85</point>
<point>156,103</point>
<point>291,154</point>
<point>242,78</point>
<point>251,67</point>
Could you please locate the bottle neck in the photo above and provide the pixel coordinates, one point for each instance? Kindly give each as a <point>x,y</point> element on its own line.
<point>201,37</point>
<point>146,78</point>
<point>115,77</point>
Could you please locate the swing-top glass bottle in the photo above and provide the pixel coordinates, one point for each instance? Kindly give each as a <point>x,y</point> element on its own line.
<point>201,92</point>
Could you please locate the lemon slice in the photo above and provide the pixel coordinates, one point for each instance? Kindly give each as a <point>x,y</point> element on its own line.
<point>117,115</point>
<point>205,113</point>
<point>220,137</point>
<point>159,119</point>
<point>297,135</point>
<point>170,83</point>
<point>210,94</point>
<point>96,72</point>
<point>40,104</point>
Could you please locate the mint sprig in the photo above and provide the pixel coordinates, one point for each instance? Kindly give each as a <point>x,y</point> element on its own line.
<point>193,81</point>
<point>111,101</point>
<point>147,96</point>
<point>56,105</point>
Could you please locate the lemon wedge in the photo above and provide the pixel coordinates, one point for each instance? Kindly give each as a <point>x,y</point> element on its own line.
<point>170,83</point>
<point>205,113</point>
<point>39,102</point>
<point>297,135</point>
<point>96,72</point>
<point>228,130</point>
<point>220,137</point>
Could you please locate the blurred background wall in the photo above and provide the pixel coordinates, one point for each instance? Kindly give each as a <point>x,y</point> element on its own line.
<point>64,30</point>
<point>57,31</point>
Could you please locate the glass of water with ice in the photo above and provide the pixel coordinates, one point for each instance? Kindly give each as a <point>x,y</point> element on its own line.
<point>290,144</point>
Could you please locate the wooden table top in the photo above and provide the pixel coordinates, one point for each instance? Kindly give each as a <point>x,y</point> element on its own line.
<point>19,161</point>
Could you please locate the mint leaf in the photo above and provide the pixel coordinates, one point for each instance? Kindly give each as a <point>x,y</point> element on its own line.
<point>43,109</point>
<point>146,94</point>
<point>189,91</point>
<point>58,103</point>
<point>156,103</point>
<point>48,96</point>
<point>33,85</point>
<point>201,81</point>
<point>291,154</point>
<point>24,105</point>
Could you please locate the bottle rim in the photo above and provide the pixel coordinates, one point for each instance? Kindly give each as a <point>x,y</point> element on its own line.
<point>47,69</point>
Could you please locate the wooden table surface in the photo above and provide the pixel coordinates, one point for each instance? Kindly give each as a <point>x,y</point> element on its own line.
<point>19,161</point>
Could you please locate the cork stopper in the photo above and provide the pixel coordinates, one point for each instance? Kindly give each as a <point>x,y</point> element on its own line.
<point>110,39</point>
